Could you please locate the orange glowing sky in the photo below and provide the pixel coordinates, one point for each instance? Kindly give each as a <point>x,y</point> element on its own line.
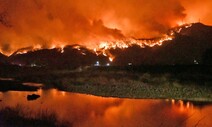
<point>25,23</point>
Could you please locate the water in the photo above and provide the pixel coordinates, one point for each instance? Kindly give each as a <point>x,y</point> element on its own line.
<point>86,110</point>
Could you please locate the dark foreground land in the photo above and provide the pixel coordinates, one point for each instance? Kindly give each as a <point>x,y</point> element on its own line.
<point>15,117</point>
<point>191,82</point>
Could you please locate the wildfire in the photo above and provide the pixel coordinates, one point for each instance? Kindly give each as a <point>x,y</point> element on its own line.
<point>104,47</point>
<point>25,50</point>
<point>39,47</point>
<point>111,59</point>
<point>1,51</point>
<point>180,27</point>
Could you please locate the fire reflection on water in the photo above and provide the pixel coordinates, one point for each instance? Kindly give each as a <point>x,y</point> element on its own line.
<point>87,110</point>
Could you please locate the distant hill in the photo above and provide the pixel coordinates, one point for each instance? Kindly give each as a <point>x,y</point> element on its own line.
<point>188,47</point>
<point>191,45</point>
<point>71,56</point>
<point>3,59</point>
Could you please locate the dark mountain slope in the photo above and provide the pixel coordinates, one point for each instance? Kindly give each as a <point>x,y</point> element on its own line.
<point>190,46</point>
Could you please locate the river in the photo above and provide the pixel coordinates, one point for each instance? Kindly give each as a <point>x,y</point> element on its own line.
<point>81,110</point>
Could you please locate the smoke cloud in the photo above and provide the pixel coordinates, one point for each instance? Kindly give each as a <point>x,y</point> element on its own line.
<point>25,23</point>
<point>198,10</point>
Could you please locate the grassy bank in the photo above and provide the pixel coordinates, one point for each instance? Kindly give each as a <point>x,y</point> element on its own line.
<point>176,82</point>
<point>17,117</point>
<point>136,85</point>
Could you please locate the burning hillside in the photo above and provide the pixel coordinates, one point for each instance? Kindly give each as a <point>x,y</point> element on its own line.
<point>103,28</point>
<point>94,24</point>
<point>180,46</point>
<point>104,47</point>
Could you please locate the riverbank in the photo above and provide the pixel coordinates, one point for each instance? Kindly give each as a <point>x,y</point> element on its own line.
<point>124,82</point>
<point>20,118</point>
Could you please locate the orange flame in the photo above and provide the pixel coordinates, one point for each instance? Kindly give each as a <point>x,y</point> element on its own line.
<point>104,47</point>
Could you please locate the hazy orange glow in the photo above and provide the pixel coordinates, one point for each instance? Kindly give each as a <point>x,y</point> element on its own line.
<point>96,24</point>
<point>197,10</point>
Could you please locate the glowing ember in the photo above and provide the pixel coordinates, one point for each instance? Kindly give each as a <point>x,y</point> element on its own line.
<point>25,50</point>
<point>179,28</point>
<point>111,59</point>
<point>77,47</point>
<point>61,48</point>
